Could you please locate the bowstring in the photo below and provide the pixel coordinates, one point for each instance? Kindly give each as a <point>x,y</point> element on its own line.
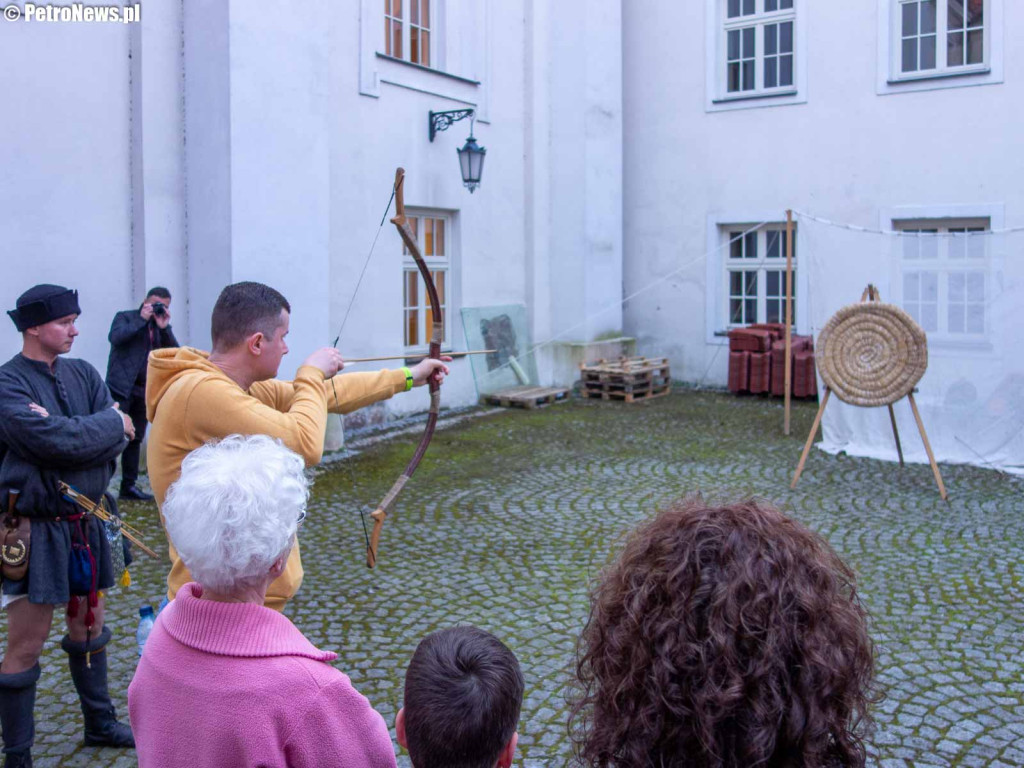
<point>365,265</point>
<point>352,301</point>
<point>366,534</point>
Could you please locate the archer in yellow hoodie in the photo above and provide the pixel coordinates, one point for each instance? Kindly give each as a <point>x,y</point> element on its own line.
<point>193,397</point>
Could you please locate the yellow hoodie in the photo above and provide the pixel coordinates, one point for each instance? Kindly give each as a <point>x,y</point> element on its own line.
<point>190,401</point>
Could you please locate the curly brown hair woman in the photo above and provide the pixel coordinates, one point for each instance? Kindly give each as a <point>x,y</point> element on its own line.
<point>724,636</point>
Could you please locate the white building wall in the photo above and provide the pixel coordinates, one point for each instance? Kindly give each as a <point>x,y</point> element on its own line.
<point>213,143</point>
<point>158,158</point>
<point>379,121</point>
<point>847,151</point>
<point>257,161</point>
<point>574,131</point>
<point>65,185</point>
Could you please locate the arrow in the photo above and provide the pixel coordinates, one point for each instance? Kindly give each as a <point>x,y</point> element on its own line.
<point>417,359</point>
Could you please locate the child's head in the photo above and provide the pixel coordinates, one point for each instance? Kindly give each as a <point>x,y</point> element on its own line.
<point>463,690</point>
<point>724,636</point>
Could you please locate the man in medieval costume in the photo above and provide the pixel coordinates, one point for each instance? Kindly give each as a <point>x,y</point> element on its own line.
<point>58,424</point>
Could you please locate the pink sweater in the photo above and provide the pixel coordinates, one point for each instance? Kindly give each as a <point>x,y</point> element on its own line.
<point>236,684</point>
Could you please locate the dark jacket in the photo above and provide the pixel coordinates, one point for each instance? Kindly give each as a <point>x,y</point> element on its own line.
<point>77,443</point>
<point>130,348</point>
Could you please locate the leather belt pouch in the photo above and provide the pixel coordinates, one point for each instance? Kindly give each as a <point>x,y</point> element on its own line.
<point>17,539</point>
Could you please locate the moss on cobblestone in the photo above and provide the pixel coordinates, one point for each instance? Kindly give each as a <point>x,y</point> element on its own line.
<point>511,515</point>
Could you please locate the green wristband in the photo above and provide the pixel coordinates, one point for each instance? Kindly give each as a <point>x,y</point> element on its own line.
<point>408,379</point>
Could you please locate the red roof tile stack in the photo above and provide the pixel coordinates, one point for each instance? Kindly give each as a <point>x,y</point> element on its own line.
<point>760,372</point>
<point>750,340</point>
<point>739,371</point>
<point>762,367</point>
<point>805,383</point>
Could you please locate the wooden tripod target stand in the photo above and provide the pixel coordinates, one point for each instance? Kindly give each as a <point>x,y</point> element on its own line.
<point>872,354</point>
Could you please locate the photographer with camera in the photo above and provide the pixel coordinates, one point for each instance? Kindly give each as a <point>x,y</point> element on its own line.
<point>133,335</point>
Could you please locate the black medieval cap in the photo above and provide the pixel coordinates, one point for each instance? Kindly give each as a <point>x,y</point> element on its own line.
<point>43,303</point>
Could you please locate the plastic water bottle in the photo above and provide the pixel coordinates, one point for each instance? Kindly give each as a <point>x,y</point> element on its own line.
<point>146,619</point>
<point>163,604</point>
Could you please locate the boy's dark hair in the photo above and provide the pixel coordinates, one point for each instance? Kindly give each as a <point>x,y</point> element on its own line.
<point>244,308</point>
<point>463,691</point>
<point>159,291</point>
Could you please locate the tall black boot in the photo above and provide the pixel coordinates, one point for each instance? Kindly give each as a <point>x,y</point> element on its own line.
<point>17,702</point>
<point>90,676</point>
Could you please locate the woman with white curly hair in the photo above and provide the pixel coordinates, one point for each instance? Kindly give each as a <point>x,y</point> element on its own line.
<point>224,680</point>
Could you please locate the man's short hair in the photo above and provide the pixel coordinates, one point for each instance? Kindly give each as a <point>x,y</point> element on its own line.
<point>159,291</point>
<point>463,691</point>
<point>244,308</point>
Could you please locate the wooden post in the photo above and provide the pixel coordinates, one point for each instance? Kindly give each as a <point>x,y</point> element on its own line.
<point>927,447</point>
<point>789,321</point>
<point>810,438</point>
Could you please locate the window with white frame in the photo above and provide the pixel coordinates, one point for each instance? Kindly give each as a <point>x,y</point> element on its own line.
<point>758,43</point>
<point>944,269</point>
<point>407,30</point>
<point>435,47</point>
<point>433,236</point>
<point>939,37</point>
<point>755,267</point>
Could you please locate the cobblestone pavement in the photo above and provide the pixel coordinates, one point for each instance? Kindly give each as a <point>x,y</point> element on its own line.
<point>511,515</point>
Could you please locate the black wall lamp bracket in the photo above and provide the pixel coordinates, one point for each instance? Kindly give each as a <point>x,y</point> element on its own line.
<point>442,121</point>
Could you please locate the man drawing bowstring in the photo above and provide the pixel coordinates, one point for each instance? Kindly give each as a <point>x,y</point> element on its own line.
<point>193,397</point>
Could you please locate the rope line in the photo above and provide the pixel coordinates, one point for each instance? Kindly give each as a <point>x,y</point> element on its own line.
<point>897,232</point>
<point>613,305</point>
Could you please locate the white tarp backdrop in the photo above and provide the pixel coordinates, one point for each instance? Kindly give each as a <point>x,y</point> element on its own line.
<point>964,284</point>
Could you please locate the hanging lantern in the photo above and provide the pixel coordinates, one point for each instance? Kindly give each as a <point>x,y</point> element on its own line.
<point>471,163</point>
<point>471,156</point>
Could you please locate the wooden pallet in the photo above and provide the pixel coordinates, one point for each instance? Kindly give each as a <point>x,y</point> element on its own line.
<point>628,397</point>
<point>526,397</point>
<point>628,366</point>
<point>628,379</point>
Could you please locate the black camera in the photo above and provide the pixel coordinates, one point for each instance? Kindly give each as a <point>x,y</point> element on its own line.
<point>159,308</point>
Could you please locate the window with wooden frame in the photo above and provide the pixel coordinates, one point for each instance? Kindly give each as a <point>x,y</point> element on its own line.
<point>407,30</point>
<point>755,267</point>
<point>758,43</point>
<point>944,269</point>
<point>939,37</point>
<point>433,236</point>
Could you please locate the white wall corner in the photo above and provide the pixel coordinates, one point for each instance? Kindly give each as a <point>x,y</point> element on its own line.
<point>369,36</point>
<point>713,278</point>
<point>483,109</point>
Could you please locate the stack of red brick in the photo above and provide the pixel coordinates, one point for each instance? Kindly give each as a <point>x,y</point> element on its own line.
<point>757,357</point>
